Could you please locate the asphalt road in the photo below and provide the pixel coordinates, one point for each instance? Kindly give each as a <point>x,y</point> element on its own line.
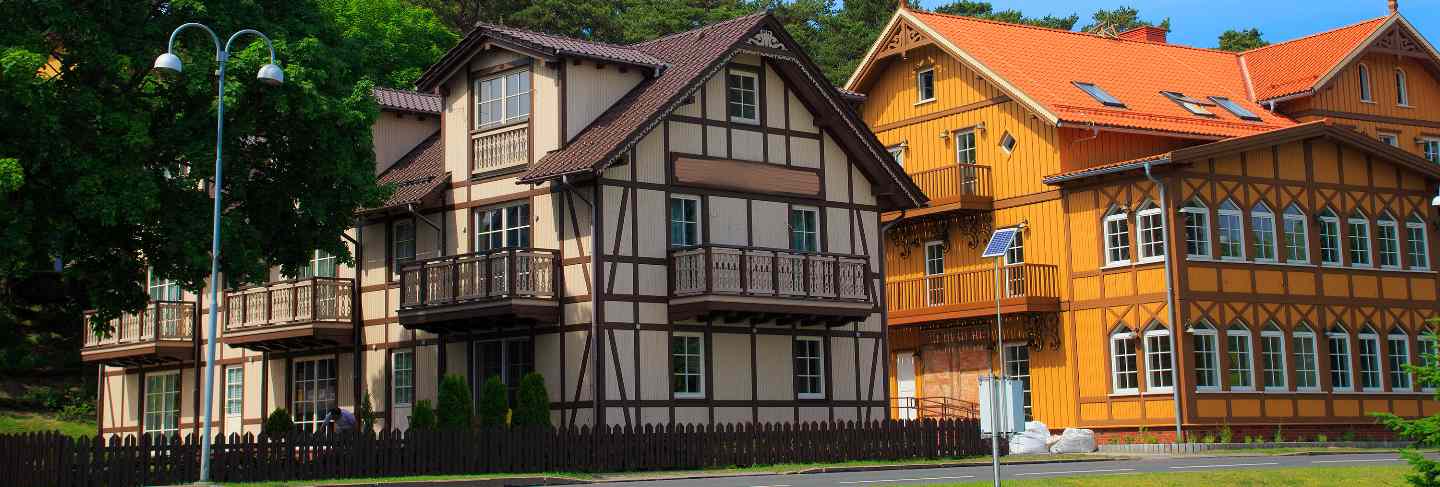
<point>934,476</point>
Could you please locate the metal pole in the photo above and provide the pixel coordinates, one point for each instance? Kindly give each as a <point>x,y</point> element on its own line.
<point>996,408</point>
<point>214,275</point>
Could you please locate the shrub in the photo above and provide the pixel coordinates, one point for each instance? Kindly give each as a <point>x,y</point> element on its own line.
<point>422,416</point>
<point>532,407</point>
<point>82,411</point>
<point>277,424</point>
<point>1209,438</point>
<point>366,414</point>
<point>1249,440</point>
<point>454,410</point>
<point>1280,434</point>
<point>1321,438</point>
<point>1226,435</point>
<point>494,402</point>
<point>1348,436</point>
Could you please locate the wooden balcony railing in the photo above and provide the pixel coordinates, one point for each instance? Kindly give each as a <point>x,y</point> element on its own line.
<point>160,321</point>
<point>481,276</point>
<point>312,300</point>
<point>973,287</point>
<point>954,183</point>
<point>938,407</point>
<point>501,150</point>
<point>718,269</point>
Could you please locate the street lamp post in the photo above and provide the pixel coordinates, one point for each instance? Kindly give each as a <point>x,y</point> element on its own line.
<point>272,75</point>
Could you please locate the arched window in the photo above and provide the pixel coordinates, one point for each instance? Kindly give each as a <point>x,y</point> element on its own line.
<point>1262,232</point>
<point>1124,375</point>
<point>1241,374</point>
<point>1159,368</point>
<point>1369,348</point>
<point>1365,94</point>
<point>1117,237</point>
<point>1150,236</point>
<point>1359,232</point>
<point>1397,347</point>
<point>1232,235</point>
<point>1272,355</point>
<point>1402,90</point>
<point>1417,249</point>
<point>1197,229</point>
<point>1339,343</point>
<point>1296,235</point>
<point>1207,359</point>
<point>1307,370</point>
<point>1329,237</point>
<point>1387,233</point>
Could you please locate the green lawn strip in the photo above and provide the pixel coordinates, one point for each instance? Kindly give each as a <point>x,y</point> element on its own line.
<point>413,478</point>
<point>1369,476</point>
<point>28,422</point>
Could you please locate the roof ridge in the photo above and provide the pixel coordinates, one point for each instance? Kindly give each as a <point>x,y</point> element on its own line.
<point>1072,32</point>
<point>493,26</point>
<point>1316,34</point>
<point>651,42</point>
<point>402,90</point>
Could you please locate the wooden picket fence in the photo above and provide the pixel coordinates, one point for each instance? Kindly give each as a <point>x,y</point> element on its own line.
<point>51,459</point>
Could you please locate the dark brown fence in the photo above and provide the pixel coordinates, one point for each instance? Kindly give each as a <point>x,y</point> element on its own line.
<point>50,459</point>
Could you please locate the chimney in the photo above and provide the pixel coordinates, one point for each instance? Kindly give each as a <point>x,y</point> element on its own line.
<point>1144,33</point>
<point>1394,7</point>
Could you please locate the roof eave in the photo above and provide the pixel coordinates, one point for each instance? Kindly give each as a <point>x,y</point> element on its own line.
<point>1066,178</point>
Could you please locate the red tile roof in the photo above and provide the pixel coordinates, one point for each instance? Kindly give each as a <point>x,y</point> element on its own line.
<point>406,101</point>
<point>1294,66</point>
<point>416,175</point>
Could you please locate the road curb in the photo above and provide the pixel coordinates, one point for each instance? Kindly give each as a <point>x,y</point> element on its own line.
<point>923,466</point>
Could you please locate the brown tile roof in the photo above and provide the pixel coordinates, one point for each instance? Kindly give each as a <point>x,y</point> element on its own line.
<point>536,42</point>
<point>406,101</point>
<point>416,175</point>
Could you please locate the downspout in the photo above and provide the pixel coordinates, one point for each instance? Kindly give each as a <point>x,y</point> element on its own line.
<point>356,316</point>
<point>440,347</point>
<point>885,311</point>
<point>1169,299</point>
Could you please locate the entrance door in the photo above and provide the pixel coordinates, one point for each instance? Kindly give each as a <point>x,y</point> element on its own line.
<point>905,386</point>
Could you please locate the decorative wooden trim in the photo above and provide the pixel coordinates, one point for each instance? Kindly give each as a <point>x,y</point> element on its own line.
<point>941,114</point>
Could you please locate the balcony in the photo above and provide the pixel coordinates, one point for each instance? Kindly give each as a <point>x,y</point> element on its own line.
<point>735,283</point>
<point>499,152</point>
<point>490,289</point>
<point>1025,288</point>
<point>290,315</point>
<point>161,333</point>
<point>954,187</point>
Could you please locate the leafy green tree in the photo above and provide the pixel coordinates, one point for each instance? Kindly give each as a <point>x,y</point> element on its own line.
<point>1121,19</point>
<point>394,40</point>
<point>983,10</point>
<point>422,416</point>
<point>532,406</point>
<point>1242,40</point>
<point>277,424</point>
<point>1425,432</point>
<point>454,410</point>
<point>494,403</point>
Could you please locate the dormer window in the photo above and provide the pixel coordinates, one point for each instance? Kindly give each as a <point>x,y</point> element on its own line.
<point>1235,108</point>
<point>502,99</point>
<point>1195,106</point>
<point>1099,94</point>
<point>741,88</point>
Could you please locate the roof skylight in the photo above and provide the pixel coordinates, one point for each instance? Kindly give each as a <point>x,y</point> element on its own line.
<point>1235,108</point>
<point>1193,105</point>
<point>1099,94</point>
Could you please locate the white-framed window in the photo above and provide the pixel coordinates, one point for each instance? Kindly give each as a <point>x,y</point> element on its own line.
<point>402,377</point>
<point>1207,356</point>
<point>1159,366</point>
<point>502,99</point>
<point>897,153</point>
<point>1272,356</point>
<point>1241,374</point>
<point>234,390</point>
<point>1124,373</point>
<point>1402,89</point>
<point>1431,148</point>
<point>1117,237</point>
<point>164,289</point>
<point>965,147</point>
<point>804,229</point>
<point>1262,232</point>
<point>502,227</point>
<point>509,359</point>
<point>1197,229</point>
<point>742,90</point>
<point>1397,347</point>
<point>1150,235</point>
<point>1339,345</point>
<point>1425,351</point>
<point>925,85</point>
<point>684,220</point>
<point>1297,243</point>
<point>1365,93</point>
<point>1369,352</point>
<point>322,264</point>
<point>1387,235</point>
<point>934,270</point>
<point>403,243</point>
<point>1307,369</point>
<point>1017,366</point>
<point>1228,223</point>
<point>1388,138</point>
<point>1417,248</point>
<point>1015,253</point>
<point>809,368</point>
<point>1008,142</point>
<point>1329,237</point>
<point>1359,228</point>
<point>315,392</point>
<point>162,403</point>
<point>687,365</point>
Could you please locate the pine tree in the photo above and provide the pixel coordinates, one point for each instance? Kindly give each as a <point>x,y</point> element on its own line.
<point>532,407</point>
<point>494,403</point>
<point>422,416</point>
<point>454,410</point>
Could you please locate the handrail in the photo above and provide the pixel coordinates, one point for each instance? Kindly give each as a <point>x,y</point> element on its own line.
<point>308,300</point>
<point>937,407</point>
<point>977,286</point>
<point>501,148</point>
<point>732,269</point>
<point>953,181</point>
<point>495,274</point>
<point>158,321</point>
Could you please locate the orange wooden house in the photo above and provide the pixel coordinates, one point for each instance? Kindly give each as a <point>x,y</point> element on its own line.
<point>1293,183</point>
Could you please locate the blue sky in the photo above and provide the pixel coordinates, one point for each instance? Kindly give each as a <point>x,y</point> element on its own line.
<point>1200,22</point>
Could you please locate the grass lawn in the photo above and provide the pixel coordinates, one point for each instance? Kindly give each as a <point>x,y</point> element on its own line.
<point>1369,476</point>
<point>26,422</point>
<point>417,478</point>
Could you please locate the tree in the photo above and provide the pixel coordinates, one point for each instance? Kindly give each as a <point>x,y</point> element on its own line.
<point>454,410</point>
<point>278,424</point>
<point>983,10</point>
<point>494,403</point>
<point>422,416</point>
<point>532,407</point>
<point>1121,19</point>
<point>1425,432</point>
<point>1241,40</point>
<point>366,414</point>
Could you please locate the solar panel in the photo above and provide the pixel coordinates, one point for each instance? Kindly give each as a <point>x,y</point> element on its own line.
<point>999,242</point>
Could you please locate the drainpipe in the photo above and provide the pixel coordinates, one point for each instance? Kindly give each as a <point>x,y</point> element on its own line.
<point>885,313</point>
<point>356,316</point>
<point>1169,299</point>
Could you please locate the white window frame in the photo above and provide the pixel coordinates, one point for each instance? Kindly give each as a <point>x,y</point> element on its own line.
<point>812,234</point>
<point>920,85</point>
<point>897,153</point>
<point>934,280</point>
<point>966,151</point>
<point>1347,371</point>
<point>1159,362</point>
<point>734,96</point>
<point>1223,214</point>
<point>1417,256</point>
<point>507,226</point>
<point>505,99</point>
<point>1234,354</point>
<point>1402,88</point>
<point>1150,233</point>
<point>161,412</point>
<point>1366,92</point>
<point>1388,138</point>
<point>819,359</point>
<point>1197,230</point>
<point>164,289</point>
<point>404,242</point>
<point>1297,243</point>
<point>1117,359</point>
<point>407,372</point>
<point>1262,228</point>
<point>1017,366</point>
<point>1430,147</point>
<point>322,264</point>
<point>1203,332</point>
<point>696,226</point>
<point>1117,240</point>
<point>1397,370</point>
<point>1383,225</point>
<point>1330,239</point>
<point>1370,362</point>
<point>1354,239</point>
<point>1271,335</point>
<point>675,373</point>
<point>316,384</point>
<point>234,391</point>
<point>1008,142</point>
<point>1304,333</point>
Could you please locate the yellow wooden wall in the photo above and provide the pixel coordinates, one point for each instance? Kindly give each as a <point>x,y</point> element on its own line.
<point>1081,148</point>
<point>1342,95</point>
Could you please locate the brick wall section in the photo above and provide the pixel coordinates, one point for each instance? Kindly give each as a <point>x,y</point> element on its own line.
<point>948,371</point>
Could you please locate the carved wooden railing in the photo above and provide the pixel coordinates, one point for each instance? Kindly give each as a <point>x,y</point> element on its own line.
<point>496,274</point>
<point>951,182</point>
<point>720,269</point>
<point>311,300</point>
<point>978,286</point>
<point>500,150</point>
<point>159,321</point>
<point>935,408</point>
